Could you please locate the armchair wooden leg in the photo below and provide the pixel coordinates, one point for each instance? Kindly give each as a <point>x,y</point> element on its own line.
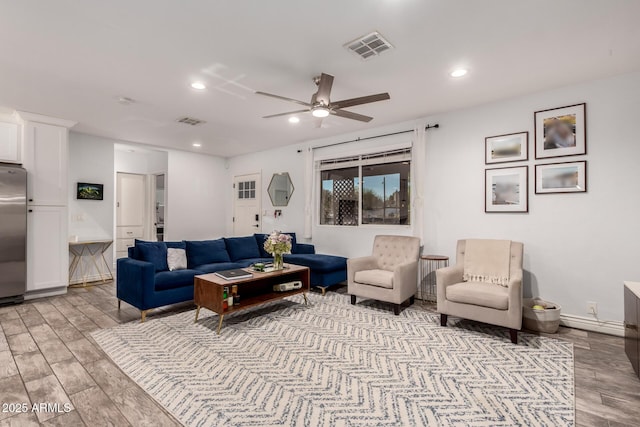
<point>353,300</point>
<point>514,335</point>
<point>443,319</point>
<point>412,300</point>
<point>396,309</point>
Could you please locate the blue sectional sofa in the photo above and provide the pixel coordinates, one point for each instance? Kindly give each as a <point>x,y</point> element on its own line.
<point>145,282</point>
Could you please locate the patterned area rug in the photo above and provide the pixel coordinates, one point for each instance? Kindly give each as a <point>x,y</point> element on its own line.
<point>334,364</point>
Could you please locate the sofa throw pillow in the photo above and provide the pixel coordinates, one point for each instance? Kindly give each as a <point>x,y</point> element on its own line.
<point>153,252</point>
<point>176,259</point>
<point>201,252</point>
<point>242,248</point>
<point>261,237</point>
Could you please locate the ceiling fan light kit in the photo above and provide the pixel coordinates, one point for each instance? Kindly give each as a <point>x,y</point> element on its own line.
<point>320,111</point>
<point>321,105</point>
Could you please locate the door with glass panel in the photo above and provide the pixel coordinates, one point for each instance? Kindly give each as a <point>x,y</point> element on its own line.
<point>246,204</point>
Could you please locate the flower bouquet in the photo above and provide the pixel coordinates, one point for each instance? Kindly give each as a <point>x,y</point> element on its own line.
<point>278,244</point>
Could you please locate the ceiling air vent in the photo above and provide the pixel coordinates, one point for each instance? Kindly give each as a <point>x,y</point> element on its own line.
<point>190,121</point>
<point>369,46</point>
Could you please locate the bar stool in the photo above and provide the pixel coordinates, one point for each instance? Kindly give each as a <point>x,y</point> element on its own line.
<point>428,266</point>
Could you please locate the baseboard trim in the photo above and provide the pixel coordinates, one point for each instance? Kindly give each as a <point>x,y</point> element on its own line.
<point>45,293</point>
<point>609,327</point>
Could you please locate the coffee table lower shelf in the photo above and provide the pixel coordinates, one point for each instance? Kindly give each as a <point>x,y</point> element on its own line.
<point>257,290</point>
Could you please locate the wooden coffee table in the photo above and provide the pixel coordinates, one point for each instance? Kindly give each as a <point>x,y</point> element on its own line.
<point>253,291</point>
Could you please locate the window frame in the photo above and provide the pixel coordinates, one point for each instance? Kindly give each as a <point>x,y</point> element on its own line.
<point>384,156</point>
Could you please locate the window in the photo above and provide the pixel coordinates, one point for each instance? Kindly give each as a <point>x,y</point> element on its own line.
<point>368,189</point>
<point>247,190</point>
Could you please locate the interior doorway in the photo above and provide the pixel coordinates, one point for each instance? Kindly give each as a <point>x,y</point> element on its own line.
<point>131,212</point>
<point>247,204</point>
<point>159,206</point>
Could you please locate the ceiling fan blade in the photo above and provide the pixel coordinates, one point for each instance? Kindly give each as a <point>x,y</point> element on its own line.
<point>361,100</point>
<point>324,88</point>
<point>350,115</point>
<point>285,114</point>
<point>283,98</point>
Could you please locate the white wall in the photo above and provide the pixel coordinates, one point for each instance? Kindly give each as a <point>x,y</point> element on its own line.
<point>284,159</point>
<point>198,190</point>
<point>578,247</point>
<point>91,160</point>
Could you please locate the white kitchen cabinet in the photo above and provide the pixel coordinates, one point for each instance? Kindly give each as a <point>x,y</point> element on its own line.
<point>45,159</point>
<point>9,143</point>
<point>47,248</point>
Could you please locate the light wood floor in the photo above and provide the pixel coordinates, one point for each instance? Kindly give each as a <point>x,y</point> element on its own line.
<point>47,355</point>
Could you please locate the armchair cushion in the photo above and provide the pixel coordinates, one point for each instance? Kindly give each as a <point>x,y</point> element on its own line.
<point>380,278</point>
<point>479,293</point>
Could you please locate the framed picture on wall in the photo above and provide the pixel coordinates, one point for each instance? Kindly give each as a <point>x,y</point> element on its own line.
<point>506,189</point>
<point>568,177</point>
<point>561,131</point>
<point>512,147</point>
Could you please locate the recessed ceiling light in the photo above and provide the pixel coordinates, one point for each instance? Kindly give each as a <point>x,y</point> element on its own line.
<point>320,112</point>
<point>294,119</point>
<point>198,85</point>
<point>197,144</point>
<point>125,100</point>
<point>459,72</point>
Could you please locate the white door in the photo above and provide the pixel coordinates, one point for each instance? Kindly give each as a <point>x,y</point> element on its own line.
<point>45,159</point>
<point>131,199</point>
<point>246,204</point>
<point>47,251</point>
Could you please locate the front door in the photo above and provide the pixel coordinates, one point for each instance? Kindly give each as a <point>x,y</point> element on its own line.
<point>247,193</point>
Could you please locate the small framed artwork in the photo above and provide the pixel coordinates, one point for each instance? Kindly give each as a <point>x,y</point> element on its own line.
<point>568,177</point>
<point>561,131</point>
<point>512,147</point>
<point>88,191</point>
<point>506,189</point>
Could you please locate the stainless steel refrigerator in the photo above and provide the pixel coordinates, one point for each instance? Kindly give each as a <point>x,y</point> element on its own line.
<point>13,233</point>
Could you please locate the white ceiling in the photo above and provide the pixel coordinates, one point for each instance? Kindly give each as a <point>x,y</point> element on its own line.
<point>73,59</point>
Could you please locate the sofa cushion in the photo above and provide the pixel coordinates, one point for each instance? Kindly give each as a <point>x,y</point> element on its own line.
<point>242,247</point>
<point>477,293</point>
<point>153,252</point>
<point>174,279</point>
<point>133,252</point>
<point>318,262</point>
<point>380,278</point>
<point>200,252</point>
<point>261,237</point>
<point>218,266</point>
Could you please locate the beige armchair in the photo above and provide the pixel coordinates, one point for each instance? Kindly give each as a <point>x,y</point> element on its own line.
<point>390,274</point>
<point>474,298</point>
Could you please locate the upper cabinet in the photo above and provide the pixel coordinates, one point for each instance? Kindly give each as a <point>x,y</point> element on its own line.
<point>9,143</point>
<point>45,157</point>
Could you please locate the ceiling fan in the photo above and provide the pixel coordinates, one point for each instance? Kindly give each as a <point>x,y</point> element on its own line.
<point>321,106</point>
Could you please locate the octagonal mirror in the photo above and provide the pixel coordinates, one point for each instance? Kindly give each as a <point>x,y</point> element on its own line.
<point>280,189</point>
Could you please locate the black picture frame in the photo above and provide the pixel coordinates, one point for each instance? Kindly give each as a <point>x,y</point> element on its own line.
<point>89,191</point>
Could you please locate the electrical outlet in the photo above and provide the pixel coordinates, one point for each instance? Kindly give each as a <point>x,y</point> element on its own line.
<point>592,308</point>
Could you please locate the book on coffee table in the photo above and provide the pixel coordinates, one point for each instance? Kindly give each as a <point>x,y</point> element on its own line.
<point>234,274</point>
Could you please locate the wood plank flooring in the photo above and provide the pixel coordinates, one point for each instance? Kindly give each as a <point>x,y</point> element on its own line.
<point>47,355</point>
